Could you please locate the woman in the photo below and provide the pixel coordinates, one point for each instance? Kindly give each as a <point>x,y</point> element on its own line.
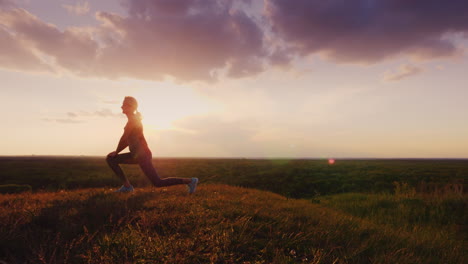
<point>139,152</point>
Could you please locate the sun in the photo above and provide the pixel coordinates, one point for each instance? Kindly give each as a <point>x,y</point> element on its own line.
<point>163,105</point>
<point>155,120</point>
<point>157,114</point>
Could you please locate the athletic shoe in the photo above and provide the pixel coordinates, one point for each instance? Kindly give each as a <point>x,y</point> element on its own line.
<point>193,185</point>
<point>125,189</point>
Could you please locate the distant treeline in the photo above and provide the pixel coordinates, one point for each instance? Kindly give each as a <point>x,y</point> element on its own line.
<point>297,178</point>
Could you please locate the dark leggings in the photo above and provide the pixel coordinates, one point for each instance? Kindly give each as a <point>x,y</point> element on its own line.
<point>146,166</point>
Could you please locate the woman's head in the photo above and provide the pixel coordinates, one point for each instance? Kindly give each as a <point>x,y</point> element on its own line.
<point>129,105</point>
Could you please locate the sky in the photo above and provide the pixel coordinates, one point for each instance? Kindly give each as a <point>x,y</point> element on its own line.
<point>245,78</point>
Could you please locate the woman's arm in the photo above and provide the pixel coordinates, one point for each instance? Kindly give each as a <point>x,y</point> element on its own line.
<point>123,142</point>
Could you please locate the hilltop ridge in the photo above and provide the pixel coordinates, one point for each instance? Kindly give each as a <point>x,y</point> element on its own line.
<point>218,224</point>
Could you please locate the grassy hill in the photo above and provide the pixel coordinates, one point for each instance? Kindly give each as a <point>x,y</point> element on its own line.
<point>218,224</point>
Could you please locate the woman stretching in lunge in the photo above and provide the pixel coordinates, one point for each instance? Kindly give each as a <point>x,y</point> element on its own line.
<point>139,152</point>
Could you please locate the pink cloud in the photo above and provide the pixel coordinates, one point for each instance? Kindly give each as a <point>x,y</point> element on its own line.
<point>16,55</point>
<point>72,49</point>
<point>404,71</point>
<point>189,40</point>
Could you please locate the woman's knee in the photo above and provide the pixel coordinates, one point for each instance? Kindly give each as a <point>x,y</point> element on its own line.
<point>153,177</point>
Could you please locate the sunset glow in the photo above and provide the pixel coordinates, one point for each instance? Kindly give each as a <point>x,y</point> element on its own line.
<point>161,108</point>
<point>271,78</point>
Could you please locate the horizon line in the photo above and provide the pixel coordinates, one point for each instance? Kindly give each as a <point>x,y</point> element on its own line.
<point>240,157</point>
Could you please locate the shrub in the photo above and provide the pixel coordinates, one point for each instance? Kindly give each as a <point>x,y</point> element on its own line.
<point>15,188</point>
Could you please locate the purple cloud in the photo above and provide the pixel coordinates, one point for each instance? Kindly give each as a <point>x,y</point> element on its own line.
<point>182,38</point>
<point>368,31</point>
<point>6,3</point>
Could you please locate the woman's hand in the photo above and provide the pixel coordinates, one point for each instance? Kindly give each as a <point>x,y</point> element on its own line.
<point>112,154</point>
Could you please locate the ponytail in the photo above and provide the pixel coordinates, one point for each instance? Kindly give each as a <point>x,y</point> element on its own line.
<point>138,115</point>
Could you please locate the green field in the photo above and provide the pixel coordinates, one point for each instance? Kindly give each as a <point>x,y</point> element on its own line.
<point>62,210</point>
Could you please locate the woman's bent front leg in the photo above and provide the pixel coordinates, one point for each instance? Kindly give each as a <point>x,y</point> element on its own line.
<point>113,162</point>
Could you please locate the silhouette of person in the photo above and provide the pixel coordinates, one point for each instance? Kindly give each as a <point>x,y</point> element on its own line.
<point>139,152</point>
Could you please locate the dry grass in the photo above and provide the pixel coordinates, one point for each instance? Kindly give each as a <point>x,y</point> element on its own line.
<point>218,224</point>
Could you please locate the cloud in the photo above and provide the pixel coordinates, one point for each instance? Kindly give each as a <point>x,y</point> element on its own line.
<point>281,57</point>
<point>403,72</point>
<point>107,113</point>
<point>72,114</point>
<point>113,102</point>
<point>63,120</point>
<point>78,9</point>
<point>15,55</point>
<point>98,113</point>
<point>82,116</point>
<point>193,40</point>
<point>189,40</point>
<point>368,31</point>
<point>73,49</point>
